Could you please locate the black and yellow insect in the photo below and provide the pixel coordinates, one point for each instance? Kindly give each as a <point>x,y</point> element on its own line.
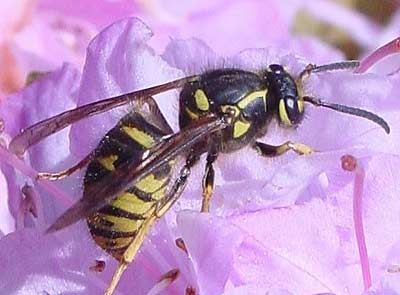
<point>133,176</point>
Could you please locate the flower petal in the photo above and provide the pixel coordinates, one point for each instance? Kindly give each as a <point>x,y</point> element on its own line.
<point>119,61</point>
<point>212,244</point>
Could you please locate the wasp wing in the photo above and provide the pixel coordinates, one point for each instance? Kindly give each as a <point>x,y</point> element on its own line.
<point>41,130</point>
<point>100,193</point>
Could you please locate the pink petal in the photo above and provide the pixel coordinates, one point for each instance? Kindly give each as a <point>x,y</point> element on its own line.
<point>54,263</point>
<point>318,239</point>
<point>211,242</point>
<point>108,73</point>
<point>298,242</point>
<point>7,223</point>
<point>101,13</point>
<point>192,56</point>
<point>49,96</point>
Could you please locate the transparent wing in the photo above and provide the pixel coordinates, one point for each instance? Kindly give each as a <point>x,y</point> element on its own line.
<point>128,174</point>
<point>41,130</point>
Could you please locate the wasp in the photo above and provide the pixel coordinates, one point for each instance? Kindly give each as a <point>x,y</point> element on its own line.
<point>133,177</point>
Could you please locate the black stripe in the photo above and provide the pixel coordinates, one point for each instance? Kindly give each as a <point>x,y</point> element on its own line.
<point>118,212</point>
<point>119,143</point>
<point>148,197</point>
<point>113,144</point>
<point>145,197</point>
<point>94,172</point>
<point>134,119</point>
<point>105,222</point>
<point>123,248</point>
<point>111,234</point>
<point>121,139</point>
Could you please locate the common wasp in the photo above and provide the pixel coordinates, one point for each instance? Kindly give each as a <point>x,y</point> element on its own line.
<point>133,176</point>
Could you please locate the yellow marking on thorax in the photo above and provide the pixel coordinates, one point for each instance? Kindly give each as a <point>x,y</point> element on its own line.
<point>108,162</point>
<point>149,184</point>
<point>191,114</point>
<point>243,103</point>
<point>240,128</point>
<point>131,203</point>
<point>141,137</point>
<point>201,100</point>
<point>283,114</point>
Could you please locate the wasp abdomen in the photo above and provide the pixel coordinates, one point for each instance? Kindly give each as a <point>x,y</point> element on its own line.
<point>115,225</point>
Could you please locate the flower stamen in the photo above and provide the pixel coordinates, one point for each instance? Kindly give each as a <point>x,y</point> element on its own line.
<point>350,163</point>
<point>190,291</point>
<point>181,245</point>
<point>16,163</point>
<point>388,49</point>
<point>98,267</point>
<point>165,281</point>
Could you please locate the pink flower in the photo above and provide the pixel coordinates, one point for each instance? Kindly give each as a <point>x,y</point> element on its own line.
<point>36,40</point>
<point>261,23</point>
<point>244,246</point>
<point>30,29</point>
<point>311,248</point>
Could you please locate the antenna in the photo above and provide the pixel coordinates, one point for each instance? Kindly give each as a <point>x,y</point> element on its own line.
<point>336,66</point>
<point>349,110</point>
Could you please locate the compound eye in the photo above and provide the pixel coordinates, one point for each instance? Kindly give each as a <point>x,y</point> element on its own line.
<point>290,110</point>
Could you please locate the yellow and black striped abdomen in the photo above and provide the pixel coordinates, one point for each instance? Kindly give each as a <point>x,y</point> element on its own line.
<point>115,225</point>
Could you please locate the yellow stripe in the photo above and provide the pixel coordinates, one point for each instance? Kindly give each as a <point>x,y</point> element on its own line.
<point>122,224</point>
<point>149,184</point>
<point>108,162</point>
<point>201,100</point>
<point>158,195</point>
<point>243,103</point>
<point>283,114</point>
<point>131,203</point>
<point>240,128</point>
<point>144,139</point>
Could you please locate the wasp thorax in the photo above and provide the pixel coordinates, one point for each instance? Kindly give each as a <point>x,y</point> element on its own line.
<point>283,89</point>
<point>239,96</point>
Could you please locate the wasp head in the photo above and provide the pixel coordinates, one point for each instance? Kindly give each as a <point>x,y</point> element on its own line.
<point>284,95</point>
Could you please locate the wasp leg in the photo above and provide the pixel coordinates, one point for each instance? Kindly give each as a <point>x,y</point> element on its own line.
<point>64,173</point>
<point>208,182</point>
<point>267,150</point>
<point>130,253</point>
<point>178,186</point>
<point>163,206</point>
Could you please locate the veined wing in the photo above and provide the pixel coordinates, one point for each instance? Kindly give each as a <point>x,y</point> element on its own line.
<point>43,129</point>
<point>128,174</point>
